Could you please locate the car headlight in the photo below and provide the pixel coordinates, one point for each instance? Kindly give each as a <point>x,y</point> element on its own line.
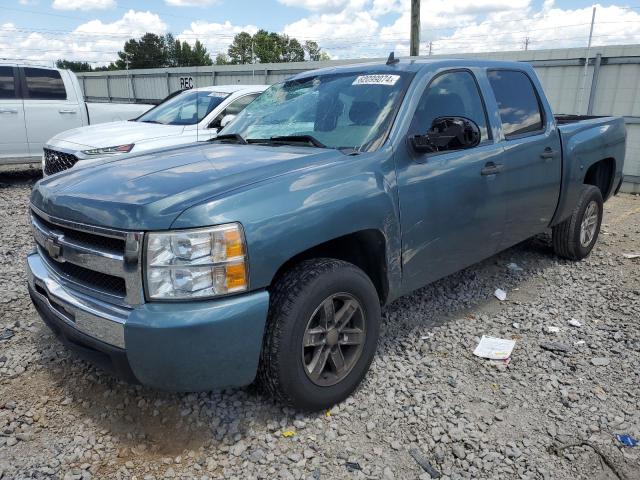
<point>110,150</point>
<point>200,263</point>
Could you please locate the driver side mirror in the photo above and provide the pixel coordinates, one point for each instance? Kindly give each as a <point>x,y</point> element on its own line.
<point>446,134</point>
<point>226,119</point>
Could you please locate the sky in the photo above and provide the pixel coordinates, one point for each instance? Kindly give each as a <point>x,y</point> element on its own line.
<point>94,30</point>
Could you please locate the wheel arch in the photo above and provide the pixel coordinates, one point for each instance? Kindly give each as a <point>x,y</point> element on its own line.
<point>367,249</point>
<point>601,174</point>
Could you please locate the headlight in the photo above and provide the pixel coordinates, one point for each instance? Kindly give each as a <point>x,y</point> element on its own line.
<point>196,263</point>
<point>110,150</point>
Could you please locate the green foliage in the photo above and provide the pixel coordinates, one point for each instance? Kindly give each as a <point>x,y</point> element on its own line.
<point>222,59</point>
<point>74,66</point>
<point>270,47</point>
<point>155,51</point>
<point>240,50</point>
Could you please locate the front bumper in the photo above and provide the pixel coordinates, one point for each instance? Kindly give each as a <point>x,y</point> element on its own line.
<point>189,346</point>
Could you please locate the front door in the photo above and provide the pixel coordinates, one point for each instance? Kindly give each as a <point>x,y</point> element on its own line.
<point>451,212</point>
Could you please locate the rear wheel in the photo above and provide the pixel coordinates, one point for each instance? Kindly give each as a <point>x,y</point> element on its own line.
<point>321,334</point>
<point>576,236</point>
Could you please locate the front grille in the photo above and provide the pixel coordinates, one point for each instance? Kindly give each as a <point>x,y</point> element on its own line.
<point>90,239</point>
<point>55,161</point>
<point>89,278</point>
<point>103,262</point>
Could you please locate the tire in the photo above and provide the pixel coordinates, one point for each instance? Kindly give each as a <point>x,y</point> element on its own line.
<point>567,240</point>
<point>299,299</point>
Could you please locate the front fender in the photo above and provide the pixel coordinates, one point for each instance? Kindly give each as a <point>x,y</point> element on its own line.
<point>289,214</point>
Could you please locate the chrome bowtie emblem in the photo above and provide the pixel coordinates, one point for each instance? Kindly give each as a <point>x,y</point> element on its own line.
<point>54,249</point>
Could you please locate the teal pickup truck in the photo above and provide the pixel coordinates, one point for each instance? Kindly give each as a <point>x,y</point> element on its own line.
<point>266,254</point>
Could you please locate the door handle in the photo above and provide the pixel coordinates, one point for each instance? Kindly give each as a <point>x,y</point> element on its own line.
<point>491,168</point>
<point>548,154</point>
<point>68,110</point>
<point>8,110</point>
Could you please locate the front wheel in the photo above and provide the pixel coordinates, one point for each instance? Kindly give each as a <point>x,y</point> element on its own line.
<point>321,334</point>
<point>575,237</point>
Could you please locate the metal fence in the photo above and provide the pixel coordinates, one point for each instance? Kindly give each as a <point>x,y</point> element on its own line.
<point>598,81</point>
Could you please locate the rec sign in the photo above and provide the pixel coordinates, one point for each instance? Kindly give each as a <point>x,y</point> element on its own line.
<point>186,83</point>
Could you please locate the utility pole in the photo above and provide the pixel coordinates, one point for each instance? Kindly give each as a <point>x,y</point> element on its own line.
<point>430,48</point>
<point>414,49</point>
<point>126,63</point>
<point>526,43</point>
<point>586,62</point>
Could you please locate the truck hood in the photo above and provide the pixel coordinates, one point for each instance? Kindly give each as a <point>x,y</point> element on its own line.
<point>148,192</point>
<point>115,133</point>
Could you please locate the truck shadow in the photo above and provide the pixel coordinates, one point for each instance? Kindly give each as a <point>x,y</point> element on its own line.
<point>11,175</point>
<point>155,424</point>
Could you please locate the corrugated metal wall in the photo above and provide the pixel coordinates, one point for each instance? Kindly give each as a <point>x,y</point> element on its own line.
<point>613,70</point>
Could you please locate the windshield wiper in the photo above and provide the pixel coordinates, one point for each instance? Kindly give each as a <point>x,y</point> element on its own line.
<point>151,121</point>
<point>231,136</point>
<point>298,139</point>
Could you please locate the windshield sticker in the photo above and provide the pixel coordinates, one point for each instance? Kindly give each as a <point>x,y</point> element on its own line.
<point>376,80</point>
<point>217,94</point>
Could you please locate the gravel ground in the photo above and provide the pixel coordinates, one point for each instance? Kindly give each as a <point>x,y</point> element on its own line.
<point>426,392</point>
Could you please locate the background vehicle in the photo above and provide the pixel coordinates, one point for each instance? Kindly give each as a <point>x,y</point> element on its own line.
<point>189,116</point>
<point>270,253</point>
<point>38,102</point>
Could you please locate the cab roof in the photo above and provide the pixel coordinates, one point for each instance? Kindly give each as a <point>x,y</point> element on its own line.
<point>414,66</point>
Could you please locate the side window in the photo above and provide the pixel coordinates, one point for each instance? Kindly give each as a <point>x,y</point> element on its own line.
<point>7,83</point>
<point>44,84</point>
<point>518,103</point>
<point>453,94</point>
<point>238,105</point>
<point>234,108</point>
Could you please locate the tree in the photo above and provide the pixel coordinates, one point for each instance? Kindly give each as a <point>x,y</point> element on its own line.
<point>240,50</point>
<point>292,50</point>
<point>74,66</point>
<point>222,59</point>
<point>147,52</point>
<point>200,55</point>
<point>316,54</point>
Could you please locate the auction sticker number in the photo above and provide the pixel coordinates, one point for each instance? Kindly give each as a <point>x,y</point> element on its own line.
<point>376,80</point>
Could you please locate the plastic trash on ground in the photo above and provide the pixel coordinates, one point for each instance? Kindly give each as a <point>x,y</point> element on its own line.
<point>500,294</point>
<point>574,323</point>
<point>494,348</point>
<point>631,255</point>
<point>627,440</point>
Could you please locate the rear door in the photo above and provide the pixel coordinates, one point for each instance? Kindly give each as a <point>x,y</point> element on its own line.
<point>13,133</point>
<point>533,161</point>
<point>49,108</point>
<point>450,203</point>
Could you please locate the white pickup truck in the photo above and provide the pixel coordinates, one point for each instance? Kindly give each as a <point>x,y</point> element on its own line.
<point>38,102</point>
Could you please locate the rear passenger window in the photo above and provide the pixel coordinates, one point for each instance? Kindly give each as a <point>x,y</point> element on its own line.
<point>44,84</point>
<point>453,94</point>
<point>7,83</point>
<point>517,102</point>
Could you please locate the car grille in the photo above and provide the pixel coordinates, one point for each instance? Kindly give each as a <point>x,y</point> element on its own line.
<point>55,161</point>
<point>99,261</point>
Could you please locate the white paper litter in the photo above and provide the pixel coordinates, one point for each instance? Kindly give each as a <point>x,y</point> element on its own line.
<point>494,348</point>
<point>574,323</point>
<point>549,329</point>
<point>500,294</point>
<point>579,342</point>
<point>514,267</point>
<point>631,255</point>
